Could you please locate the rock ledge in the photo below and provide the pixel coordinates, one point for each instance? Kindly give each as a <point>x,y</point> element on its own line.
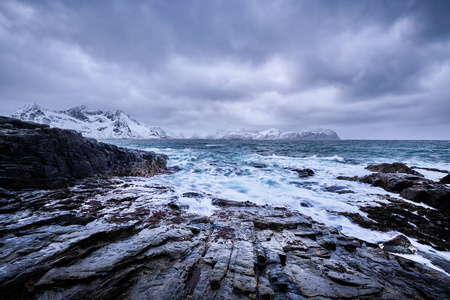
<point>37,156</point>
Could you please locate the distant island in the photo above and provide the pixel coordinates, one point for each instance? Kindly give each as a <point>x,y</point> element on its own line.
<point>117,124</point>
<point>276,134</point>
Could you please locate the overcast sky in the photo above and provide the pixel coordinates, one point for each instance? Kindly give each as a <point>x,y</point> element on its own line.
<point>366,69</point>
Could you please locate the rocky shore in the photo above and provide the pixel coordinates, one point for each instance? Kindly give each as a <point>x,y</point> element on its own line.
<point>429,223</point>
<point>92,235</point>
<point>36,156</point>
<point>410,184</point>
<point>110,239</point>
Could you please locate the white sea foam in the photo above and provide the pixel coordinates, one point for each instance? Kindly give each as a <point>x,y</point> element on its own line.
<point>436,176</point>
<point>422,260</point>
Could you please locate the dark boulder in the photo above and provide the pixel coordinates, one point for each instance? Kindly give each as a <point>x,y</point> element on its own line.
<point>260,165</point>
<point>303,173</point>
<point>389,182</point>
<point>37,156</point>
<point>399,244</point>
<point>436,194</point>
<point>445,179</point>
<point>393,168</point>
<point>348,178</point>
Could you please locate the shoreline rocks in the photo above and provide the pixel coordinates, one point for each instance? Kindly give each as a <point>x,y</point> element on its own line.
<point>37,156</point>
<point>302,173</point>
<point>396,167</point>
<point>430,226</point>
<point>398,178</point>
<point>108,239</point>
<point>445,179</point>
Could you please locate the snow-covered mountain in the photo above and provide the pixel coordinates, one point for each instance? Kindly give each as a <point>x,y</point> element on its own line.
<point>276,134</point>
<point>91,123</point>
<point>234,134</point>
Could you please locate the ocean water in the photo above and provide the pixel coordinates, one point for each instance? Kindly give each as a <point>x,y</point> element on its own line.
<point>232,170</point>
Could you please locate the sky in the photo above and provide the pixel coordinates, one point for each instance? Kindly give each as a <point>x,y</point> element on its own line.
<point>365,69</point>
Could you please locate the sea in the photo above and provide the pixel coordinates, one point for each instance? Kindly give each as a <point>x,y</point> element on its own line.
<point>261,172</point>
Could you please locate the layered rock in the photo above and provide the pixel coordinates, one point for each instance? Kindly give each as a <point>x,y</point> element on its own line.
<point>427,225</point>
<point>393,168</point>
<point>112,240</point>
<point>399,178</point>
<point>37,156</point>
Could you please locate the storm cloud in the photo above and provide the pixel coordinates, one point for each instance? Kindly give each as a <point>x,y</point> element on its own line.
<point>367,69</point>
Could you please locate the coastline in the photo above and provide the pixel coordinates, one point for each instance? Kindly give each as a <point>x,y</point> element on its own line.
<point>131,237</point>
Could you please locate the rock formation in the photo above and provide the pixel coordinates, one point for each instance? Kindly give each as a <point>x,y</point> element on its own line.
<point>303,173</point>
<point>110,240</point>
<point>37,156</point>
<point>399,178</point>
<point>393,168</point>
<point>445,179</point>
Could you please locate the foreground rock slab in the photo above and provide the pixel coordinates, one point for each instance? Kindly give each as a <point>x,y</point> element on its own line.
<point>112,239</point>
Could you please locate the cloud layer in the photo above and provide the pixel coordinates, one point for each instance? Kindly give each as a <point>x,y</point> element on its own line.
<point>367,69</point>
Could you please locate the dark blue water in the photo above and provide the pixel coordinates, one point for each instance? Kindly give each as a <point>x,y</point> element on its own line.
<point>418,153</point>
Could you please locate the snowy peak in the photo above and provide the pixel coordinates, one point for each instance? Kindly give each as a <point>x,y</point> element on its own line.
<point>30,112</point>
<point>276,134</point>
<point>271,134</point>
<point>91,122</point>
<point>78,112</point>
<point>235,134</point>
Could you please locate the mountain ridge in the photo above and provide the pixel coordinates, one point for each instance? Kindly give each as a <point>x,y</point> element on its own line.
<point>117,124</point>
<point>90,122</point>
<point>275,134</point>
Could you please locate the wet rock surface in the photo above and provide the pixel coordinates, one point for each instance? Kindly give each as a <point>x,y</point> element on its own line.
<point>303,173</point>
<point>120,239</point>
<point>445,179</point>
<point>37,156</point>
<point>399,244</point>
<point>409,185</point>
<point>338,190</point>
<point>260,165</point>
<point>396,167</point>
<point>428,226</point>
